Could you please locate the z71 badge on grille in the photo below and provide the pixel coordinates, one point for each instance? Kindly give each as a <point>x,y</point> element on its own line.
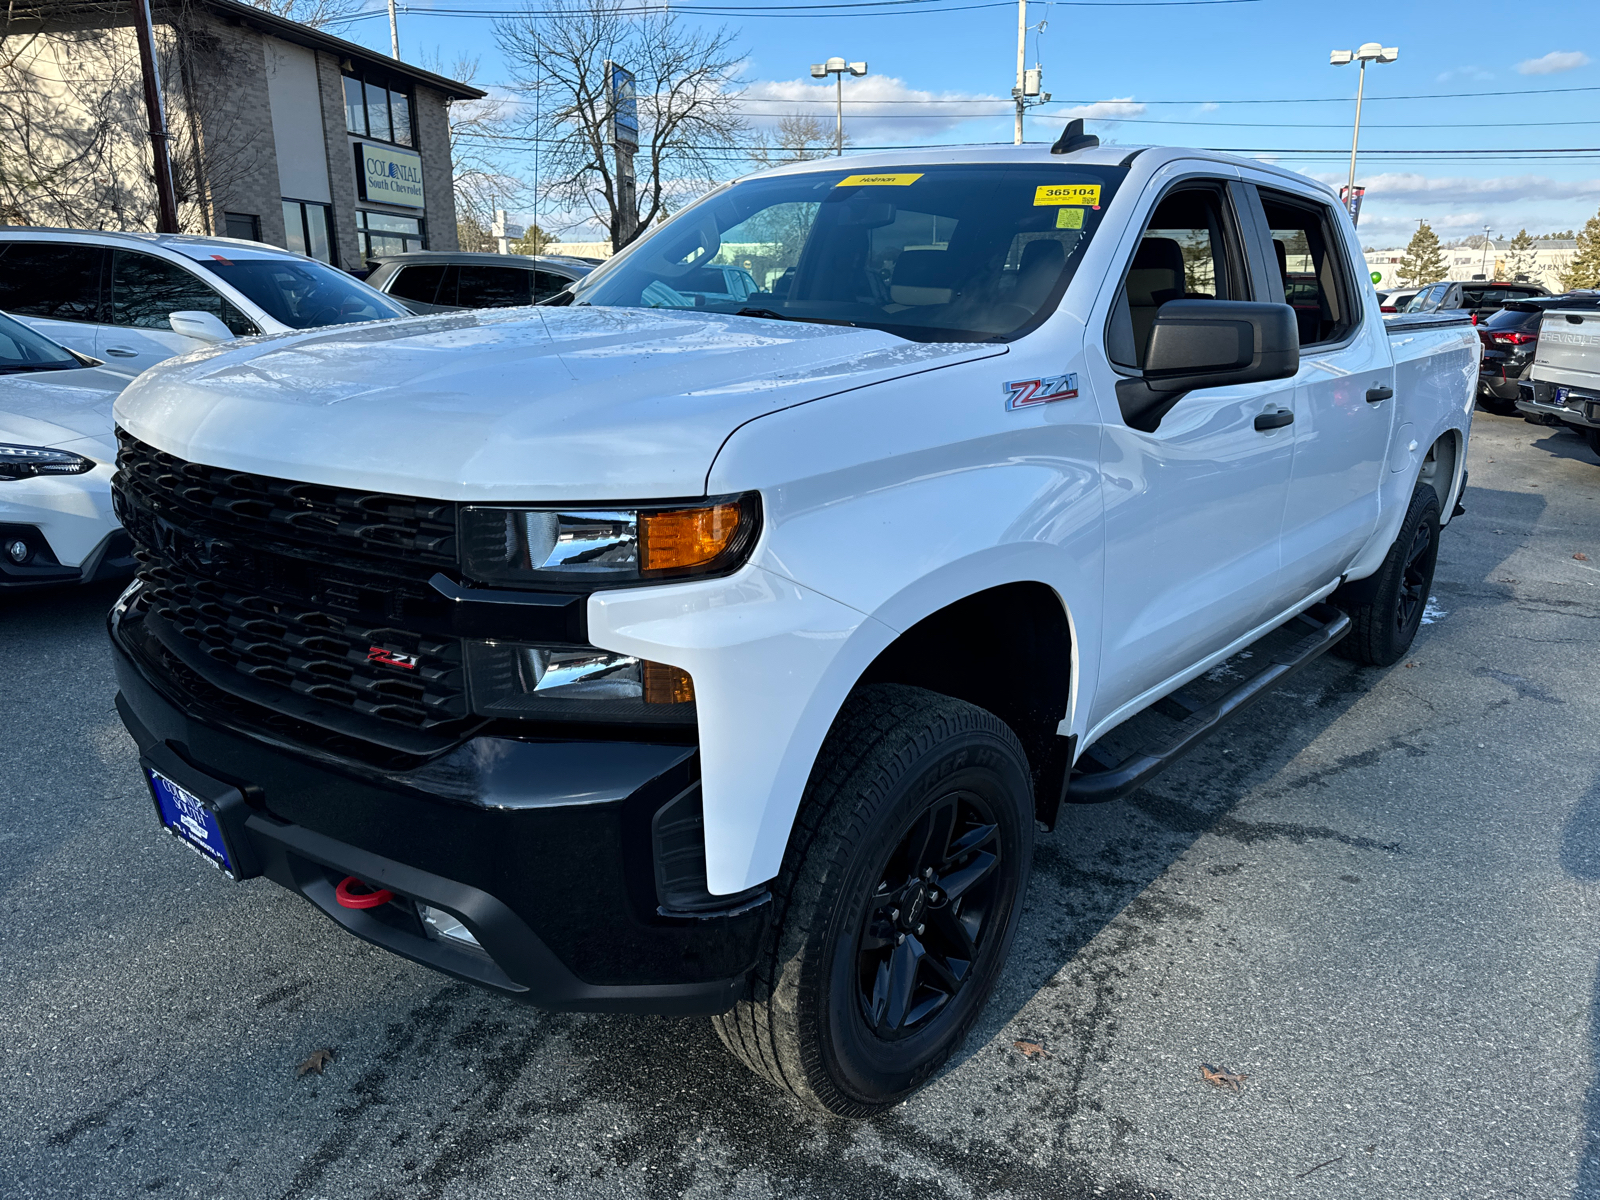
<point>393,658</point>
<point>1024,392</point>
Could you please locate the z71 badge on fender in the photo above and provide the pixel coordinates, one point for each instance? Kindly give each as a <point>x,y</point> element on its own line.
<point>1021,393</point>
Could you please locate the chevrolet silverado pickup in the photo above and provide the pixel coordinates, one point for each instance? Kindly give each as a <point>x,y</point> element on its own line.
<point>661,650</point>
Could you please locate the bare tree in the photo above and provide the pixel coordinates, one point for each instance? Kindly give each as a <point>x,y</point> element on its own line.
<point>683,78</point>
<point>73,150</point>
<point>480,154</point>
<point>800,137</point>
<point>313,14</point>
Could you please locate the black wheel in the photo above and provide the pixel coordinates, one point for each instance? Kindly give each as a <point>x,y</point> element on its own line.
<point>1386,608</point>
<point>1592,436</point>
<point>1502,408</point>
<point>897,903</point>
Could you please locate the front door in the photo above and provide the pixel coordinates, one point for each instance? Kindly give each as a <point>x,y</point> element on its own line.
<point>1194,501</point>
<point>145,292</point>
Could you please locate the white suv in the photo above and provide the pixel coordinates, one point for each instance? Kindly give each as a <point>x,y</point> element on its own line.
<point>113,295</point>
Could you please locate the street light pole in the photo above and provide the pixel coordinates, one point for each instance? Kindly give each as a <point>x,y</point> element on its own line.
<point>1022,40</point>
<point>1367,52</point>
<point>1483,267</point>
<point>837,67</point>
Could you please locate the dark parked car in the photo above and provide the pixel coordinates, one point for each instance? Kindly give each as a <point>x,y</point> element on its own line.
<point>1395,301</point>
<point>1480,297</point>
<point>437,281</point>
<point>1509,339</point>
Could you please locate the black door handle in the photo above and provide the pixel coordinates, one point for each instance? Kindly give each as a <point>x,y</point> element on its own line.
<point>1275,420</point>
<point>1377,395</point>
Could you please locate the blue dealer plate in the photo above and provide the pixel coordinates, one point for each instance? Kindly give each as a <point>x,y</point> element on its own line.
<point>1561,395</point>
<point>189,820</point>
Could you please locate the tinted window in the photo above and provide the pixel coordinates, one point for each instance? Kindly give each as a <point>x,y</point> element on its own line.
<point>923,252</point>
<point>400,117</point>
<point>25,349</point>
<point>1183,255</point>
<point>492,287</point>
<point>44,279</point>
<point>1513,318</point>
<point>355,108</point>
<point>547,284</point>
<point>417,283</point>
<point>305,294</point>
<point>146,290</point>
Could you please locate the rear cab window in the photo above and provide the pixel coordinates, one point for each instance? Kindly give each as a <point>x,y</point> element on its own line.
<point>1316,274</point>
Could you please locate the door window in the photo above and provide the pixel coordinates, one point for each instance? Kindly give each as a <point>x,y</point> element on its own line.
<point>547,284</point>
<point>146,291</point>
<point>417,283</point>
<point>492,287</point>
<point>1311,260</point>
<point>56,280</point>
<point>1188,252</point>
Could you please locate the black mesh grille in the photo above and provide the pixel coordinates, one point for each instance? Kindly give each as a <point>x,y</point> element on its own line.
<point>319,591</point>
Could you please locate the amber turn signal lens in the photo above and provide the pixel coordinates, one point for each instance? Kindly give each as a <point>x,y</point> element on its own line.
<point>686,537</point>
<point>667,685</point>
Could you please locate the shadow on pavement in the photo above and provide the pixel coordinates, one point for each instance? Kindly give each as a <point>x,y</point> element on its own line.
<point>1580,858</point>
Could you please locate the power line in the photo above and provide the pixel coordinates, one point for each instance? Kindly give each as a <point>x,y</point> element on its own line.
<point>893,8</point>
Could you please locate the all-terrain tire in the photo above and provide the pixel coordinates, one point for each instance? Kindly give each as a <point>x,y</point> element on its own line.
<point>1592,436</point>
<point>1386,608</point>
<point>896,756</point>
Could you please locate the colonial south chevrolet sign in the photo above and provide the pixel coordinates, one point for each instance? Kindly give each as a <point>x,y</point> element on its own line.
<point>389,175</point>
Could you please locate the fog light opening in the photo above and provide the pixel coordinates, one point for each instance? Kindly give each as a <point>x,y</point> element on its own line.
<point>19,551</point>
<point>445,927</point>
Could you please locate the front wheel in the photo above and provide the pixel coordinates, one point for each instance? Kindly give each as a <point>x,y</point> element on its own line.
<point>897,903</point>
<point>1592,436</point>
<point>1386,609</point>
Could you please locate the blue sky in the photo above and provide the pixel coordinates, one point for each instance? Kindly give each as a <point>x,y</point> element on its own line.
<point>1249,76</point>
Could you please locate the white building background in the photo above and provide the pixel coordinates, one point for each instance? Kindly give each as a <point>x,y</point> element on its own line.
<point>1463,262</point>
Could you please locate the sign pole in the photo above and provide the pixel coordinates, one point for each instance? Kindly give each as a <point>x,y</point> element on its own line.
<point>166,197</point>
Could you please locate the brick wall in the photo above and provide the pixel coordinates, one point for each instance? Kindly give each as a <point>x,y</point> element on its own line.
<point>241,156</point>
<point>432,118</point>
<point>341,159</point>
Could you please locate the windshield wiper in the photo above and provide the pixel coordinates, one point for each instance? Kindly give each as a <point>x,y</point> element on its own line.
<point>773,315</point>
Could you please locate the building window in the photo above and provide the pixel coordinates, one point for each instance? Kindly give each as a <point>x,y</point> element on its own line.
<point>242,225</point>
<point>308,229</point>
<point>383,233</point>
<point>374,107</point>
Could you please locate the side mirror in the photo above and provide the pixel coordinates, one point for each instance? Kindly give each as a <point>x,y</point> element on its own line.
<point>201,326</point>
<point>1208,343</point>
<point>1213,343</point>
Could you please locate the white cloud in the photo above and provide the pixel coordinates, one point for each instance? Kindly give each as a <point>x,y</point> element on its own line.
<point>1473,73</point>
<point>1458,189</point>
<point>1106,110</point>
<point>878,109</point>
<point>1208,107</point>
<point>1554,63</point>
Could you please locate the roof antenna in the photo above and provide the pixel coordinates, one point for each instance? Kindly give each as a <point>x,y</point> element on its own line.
<point>1074,138</point>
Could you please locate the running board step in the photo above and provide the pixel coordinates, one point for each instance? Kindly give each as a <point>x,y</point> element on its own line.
<point>1328,625</point>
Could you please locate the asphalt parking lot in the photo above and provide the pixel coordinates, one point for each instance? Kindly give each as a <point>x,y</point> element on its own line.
<point>1375,896</point>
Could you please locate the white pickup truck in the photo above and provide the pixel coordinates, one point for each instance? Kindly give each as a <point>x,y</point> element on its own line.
<point>653,652</point>
<point>1564,380</point>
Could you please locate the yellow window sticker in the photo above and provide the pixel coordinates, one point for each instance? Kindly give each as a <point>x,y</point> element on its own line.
<point>1085,195</point>
<point>1069,218</point>
<point>878,180</point>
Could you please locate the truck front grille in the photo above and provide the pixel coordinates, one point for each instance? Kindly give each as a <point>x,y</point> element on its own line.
<point>271,588</point>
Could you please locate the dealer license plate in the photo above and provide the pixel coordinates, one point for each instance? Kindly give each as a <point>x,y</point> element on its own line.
<point>1561,395</point>
<point>190,820</point>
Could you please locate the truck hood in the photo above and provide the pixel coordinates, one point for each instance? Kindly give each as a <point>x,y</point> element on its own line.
<point>508,404</point>
<point>52,408</point>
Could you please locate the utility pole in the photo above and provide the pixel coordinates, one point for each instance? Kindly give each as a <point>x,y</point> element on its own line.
<point>1022,51</point>
<point>394,34</point>
<point>166,197</point>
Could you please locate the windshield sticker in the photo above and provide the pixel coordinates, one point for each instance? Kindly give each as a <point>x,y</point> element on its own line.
<point>1084,195</point>
<point>1023,393</point>
<point>1069,218</point>
<point>878,180</point>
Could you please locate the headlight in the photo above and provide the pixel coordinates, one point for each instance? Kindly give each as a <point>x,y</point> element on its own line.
<point>606,547</point>
<point>529,682</point>
<point>24,462</point>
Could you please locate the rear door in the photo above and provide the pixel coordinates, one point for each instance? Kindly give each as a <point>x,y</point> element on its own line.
<point>481,285</point>
<point>1343,395</point>
<point>56,287</point>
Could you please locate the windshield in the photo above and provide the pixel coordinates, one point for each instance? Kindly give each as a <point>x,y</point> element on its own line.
<point>23,349</point>
<point>303,293</point>
<point>934,254</point>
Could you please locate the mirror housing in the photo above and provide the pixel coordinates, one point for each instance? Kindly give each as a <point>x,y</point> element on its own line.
<point>202,326</point>
<point>1208,343</point>
<point>1214,343</point>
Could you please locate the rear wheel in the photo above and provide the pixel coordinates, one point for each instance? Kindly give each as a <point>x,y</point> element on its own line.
<point>1592,436</point>
<point>1386,609</point>
<point>897,903</point>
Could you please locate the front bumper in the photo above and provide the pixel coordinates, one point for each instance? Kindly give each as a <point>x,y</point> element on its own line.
<point>1580,408</point>
<point>548,851</point>
<point>68,523</point>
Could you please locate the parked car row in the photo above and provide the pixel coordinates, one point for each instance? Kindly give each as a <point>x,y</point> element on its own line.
<point>92,309</point>
<point>1563,383</point>
<point>1509,339</point>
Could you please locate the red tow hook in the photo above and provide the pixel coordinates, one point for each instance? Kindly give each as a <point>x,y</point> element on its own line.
<point>368,897</point>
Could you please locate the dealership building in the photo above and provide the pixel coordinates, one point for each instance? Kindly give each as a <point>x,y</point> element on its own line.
<point>278,132</point>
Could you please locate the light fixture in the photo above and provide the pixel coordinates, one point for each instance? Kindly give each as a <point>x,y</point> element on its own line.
<point>838,68</point>
<point>1365,53</point>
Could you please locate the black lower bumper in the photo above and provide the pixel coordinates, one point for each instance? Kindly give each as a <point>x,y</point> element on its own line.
<point>543,849</point>
<point>111,559</point>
